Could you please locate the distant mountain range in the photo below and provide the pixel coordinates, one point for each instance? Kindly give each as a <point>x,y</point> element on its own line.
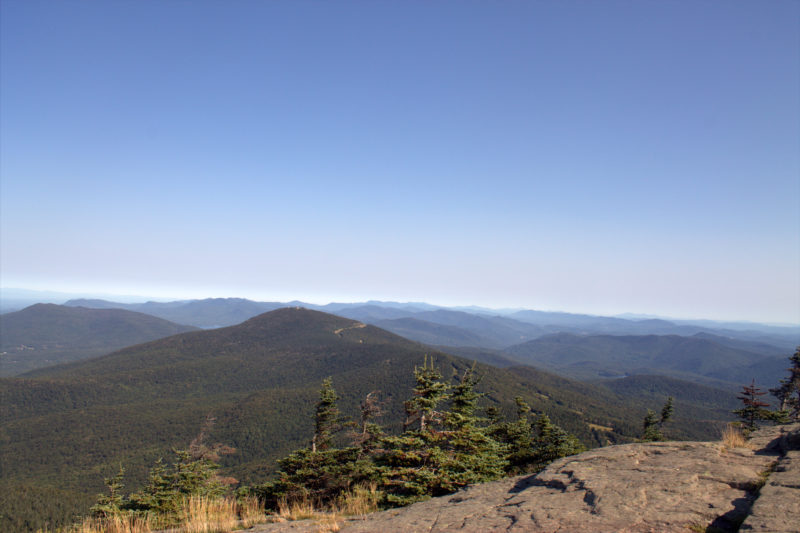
<point>493,329</point>
<point>47,334</point>
<point>576,346</point>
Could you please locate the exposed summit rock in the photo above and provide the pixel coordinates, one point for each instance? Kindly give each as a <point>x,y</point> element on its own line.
<point>651,487</point>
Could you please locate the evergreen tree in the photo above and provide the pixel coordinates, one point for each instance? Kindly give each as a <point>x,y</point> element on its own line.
<point>531,447</point>
<point>448,451</point>
<point>195,476</point>
<point>652,425</point>
<point>367,435</point>
<point>666,411</point>
<point>112,503</point>
<point>754,409</point>
<point>551,443</point>
<point>518,438</point>
<point>327,420</point>
<point>475,456</point>
<point>428,393</point>
<point>788,393</point>
<point>159,494</point>
<point>409,463</point>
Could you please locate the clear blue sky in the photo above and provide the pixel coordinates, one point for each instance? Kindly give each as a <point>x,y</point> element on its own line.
<point>597,157</point>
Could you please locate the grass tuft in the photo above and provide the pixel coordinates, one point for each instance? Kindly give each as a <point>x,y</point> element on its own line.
<point>198,514</point>
<point>359,501</point>
<point>732,437</point>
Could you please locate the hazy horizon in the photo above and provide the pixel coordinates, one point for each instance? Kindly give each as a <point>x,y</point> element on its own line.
<point>58,297</point>
<point>599,158</point>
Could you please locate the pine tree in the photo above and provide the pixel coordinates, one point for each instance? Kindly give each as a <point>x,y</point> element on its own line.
<point>532,446</point>
<point>111,504</point>
<point>475,456</point>
<point>367,434</point>
<point>428,393</point>
<point>518,438</point>
<point>328,419</point>
<point>652,425</point>
<point>551,443</point>
<point>448,450</point>
<point>409,463</point>
<point>788,393</point>
<point>159,494</point>
<point>754,409</point>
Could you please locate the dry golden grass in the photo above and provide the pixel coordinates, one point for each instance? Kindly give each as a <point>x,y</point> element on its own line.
<point>251,512</point>
<point>298,509</point>
<point>113,524</point>
<point>208,515</point>
<point>328,523</point>
<point>198,515</point>
<point>359,501</point>
<point>732,437</point>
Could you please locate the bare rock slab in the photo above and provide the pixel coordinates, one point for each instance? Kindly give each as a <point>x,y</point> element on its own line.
<point>778,505</point>
<point>659,487</point>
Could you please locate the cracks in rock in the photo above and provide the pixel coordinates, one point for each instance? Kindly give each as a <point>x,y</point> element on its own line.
<point>438,515</point>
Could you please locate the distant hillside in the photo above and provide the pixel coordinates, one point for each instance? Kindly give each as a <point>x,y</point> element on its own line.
<point>606,356</point>
<point>67,427</point>
<point>430,332</point>
<point>48,334</point>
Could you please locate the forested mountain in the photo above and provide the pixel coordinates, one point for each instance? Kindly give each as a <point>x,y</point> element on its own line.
<point>47,334</point>
<point>66,427</point>
<point>694,358</point>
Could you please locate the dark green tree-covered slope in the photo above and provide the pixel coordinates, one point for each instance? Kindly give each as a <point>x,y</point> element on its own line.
<point>47,334</point>
<point>607,356</point>
<point>66,427</point>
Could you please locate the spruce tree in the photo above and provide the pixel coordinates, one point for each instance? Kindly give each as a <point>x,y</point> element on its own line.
<point>159,494</point>
<point>788,393</point>
<point>409,463</point>
<point>428,393</point>
<point>111,504</point>
<point>474,455</point>
<point>448,450</point>
<point>327,420</point>
<point>517,436</point>
<point>652,425</point>
<point>367,434</point>
<point>551,443</point>
<point>532,446</point>
<point>754,409</point>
